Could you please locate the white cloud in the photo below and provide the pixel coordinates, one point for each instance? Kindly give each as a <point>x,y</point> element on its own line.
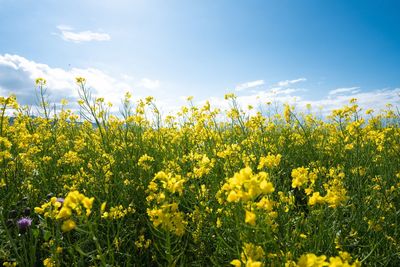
<point>248,85</point>
<point>344,90</point>
<point>375,99</point>
<point>149,84</point>
<point>18,75</point>
<point>289,82</point>
<point>67,34</point>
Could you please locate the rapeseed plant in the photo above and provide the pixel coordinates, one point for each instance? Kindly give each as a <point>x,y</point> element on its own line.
<point>202,187</point>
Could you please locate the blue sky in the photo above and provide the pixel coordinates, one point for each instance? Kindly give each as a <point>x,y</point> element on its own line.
<point>311,50</point>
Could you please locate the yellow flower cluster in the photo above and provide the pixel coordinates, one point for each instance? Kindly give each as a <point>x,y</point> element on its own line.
<point>168,217</point>
<point>145,162</point>
<point>270,161</point>
<point>5,145</point>
<point>142,242</point>
<point>163,192</point>
<point>230,150</point>
<point>301,176</point>
<point>250,189</point>
<point>214,200</point>
<point>49,262</point>
<point>335,190</point>
<point>251,256</point>
<point>8,102</point>
<point>50,209</point>
<point>245,186</point>
<point>168,181</point>
<point>115,213</point>
<point>203,166</point>
<point>311,260</point>
<point>59,209</point>
<point>70,158</point>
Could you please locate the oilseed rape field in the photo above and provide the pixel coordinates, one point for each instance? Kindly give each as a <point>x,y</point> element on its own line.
<point>246,186</point>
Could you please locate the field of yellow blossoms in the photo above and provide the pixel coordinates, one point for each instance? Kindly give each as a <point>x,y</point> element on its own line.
<point>205,187</point>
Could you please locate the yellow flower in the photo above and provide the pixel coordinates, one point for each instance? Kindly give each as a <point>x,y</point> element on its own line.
<point>68,225</point>
<point>49,262</point>
<point>303,236</point>
<point>267,187</point>
<point>251,256</point>
<point>270,161</point>
<point>232,196</point>
<point>80,80</point>
<point>229,96</point>
<point>315,199</point>
<point>9,264</point>
<point>88,202</point>
<point>286,113</point>
<point>251,263</point>
<point>103,207</point>
<point>39,210</point>
<point>145,162</point>
<point>219,223</point>
<point>250,218</point>
<point>236,263</point>
<point>65,212</point>
<point>245,186</point>
<point>300,177</point>
<point>40,81</point>
<point>265,204</point>
<point>311,260</point>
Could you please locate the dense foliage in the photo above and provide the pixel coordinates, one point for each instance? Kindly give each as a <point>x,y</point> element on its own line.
<point>202,188</point>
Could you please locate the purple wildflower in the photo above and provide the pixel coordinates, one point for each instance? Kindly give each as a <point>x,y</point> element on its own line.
<point>61,200</point>
<point>24,223</point>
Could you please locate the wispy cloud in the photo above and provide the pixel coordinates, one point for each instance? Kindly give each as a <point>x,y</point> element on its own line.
<point>248,85</point>
<point>286,91</point>
<point>290,82</point>
<point>67,33</point>
<point>344,90</point>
